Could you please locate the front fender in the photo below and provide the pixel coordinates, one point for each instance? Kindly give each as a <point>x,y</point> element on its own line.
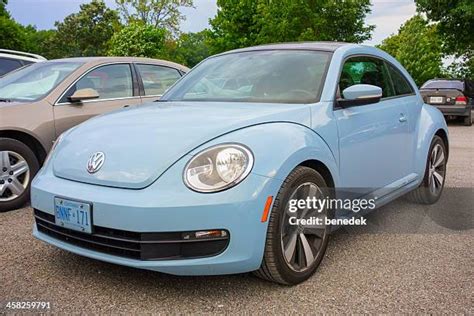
<point>431,121</point>
<point>279,147</point>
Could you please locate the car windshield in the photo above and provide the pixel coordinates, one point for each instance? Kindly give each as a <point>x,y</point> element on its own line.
<point>35,81</point>
<point>276,76</point>
<point>444,84</point>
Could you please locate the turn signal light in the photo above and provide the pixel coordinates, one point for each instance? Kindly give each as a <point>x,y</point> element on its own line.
<point>461,100</point>
<point>205,234</point>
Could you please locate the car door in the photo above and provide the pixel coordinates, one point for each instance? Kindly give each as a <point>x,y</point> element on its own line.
<point>405,95</point>
<point>372,138</point>
<point>116,86</point>
<point>155,80</point>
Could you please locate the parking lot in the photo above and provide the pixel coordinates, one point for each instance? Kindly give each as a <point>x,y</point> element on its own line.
<point>409,258</point>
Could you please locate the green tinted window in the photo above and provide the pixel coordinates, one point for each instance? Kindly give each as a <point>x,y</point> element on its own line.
<point>366,70</point>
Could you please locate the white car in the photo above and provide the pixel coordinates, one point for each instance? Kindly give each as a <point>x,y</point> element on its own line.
<point>11,60</point>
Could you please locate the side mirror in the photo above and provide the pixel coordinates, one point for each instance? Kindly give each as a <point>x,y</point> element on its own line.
<point>360,94</point>
<point>84,94</point>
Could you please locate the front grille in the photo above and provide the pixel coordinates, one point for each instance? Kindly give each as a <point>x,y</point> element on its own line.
<point>134,245</point>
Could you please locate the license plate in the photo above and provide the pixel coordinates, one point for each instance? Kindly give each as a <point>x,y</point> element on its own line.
<point>436,99</point>
<point>73,215</point>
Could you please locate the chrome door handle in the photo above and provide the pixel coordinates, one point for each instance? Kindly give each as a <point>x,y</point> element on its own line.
<point>402,118</point>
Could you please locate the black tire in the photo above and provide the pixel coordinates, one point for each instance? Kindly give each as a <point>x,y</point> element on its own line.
<point>423,194</point>
<point>274,266</point>
<point>12,145</point>
<point>468,119</point>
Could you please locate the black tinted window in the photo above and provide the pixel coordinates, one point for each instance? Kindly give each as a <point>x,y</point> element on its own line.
<point>7,65</point>
<point>400,83</point>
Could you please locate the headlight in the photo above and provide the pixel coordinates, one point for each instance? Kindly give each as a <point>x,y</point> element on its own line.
<point>218,168</point>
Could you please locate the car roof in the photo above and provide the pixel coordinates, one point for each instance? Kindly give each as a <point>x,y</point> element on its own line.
<point>319,46</point>
<point>14,54</point>
<point>104,59</point>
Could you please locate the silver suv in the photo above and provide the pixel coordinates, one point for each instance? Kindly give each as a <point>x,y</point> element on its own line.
<point>11,60</point>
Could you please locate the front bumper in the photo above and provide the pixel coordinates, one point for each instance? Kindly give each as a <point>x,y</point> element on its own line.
<point>457,110</point>
<point>168,206</point>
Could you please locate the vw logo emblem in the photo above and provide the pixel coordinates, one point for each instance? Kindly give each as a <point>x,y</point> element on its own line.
<point>96,161</point>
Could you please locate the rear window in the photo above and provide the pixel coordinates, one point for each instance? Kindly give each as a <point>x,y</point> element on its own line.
<point>444,84</point>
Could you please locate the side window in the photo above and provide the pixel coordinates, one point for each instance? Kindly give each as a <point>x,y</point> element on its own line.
<point>400,83</point>
<point>157,79</point>
<point>7,65</point>
<point>365,70</point>
<point>110,81</point>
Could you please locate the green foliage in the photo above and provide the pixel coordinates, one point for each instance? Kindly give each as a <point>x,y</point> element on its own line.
<point>158,13</point>
<point>3,10</point>
<point>241,23</point>
<point>41,42</point>
<point>455,25</point>
<point>87,32</point>
<point>417,47</point>
<point>139,40</point>
<point>12,35</point>
<point>192,48</point>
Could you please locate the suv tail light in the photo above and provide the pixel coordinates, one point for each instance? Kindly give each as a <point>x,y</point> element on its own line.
<point>461,100</point>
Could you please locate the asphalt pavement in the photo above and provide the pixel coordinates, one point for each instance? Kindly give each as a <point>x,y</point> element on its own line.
<point>408,259</point>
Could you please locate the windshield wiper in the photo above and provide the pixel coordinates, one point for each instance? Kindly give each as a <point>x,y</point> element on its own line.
<point>5,100</point>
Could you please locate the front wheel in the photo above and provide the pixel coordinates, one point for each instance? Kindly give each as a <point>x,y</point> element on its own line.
<point>294,252</point>
<point>18,166</point>
<point>432,186</point>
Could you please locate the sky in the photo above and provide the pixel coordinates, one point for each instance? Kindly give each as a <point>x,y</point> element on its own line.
<point>387,15</point>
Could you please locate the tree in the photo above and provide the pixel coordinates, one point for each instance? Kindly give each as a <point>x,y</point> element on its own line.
<point>455,20</point>
<point>11,34</point>
<point>252,22</point>
<point>158,13</point>
<point>139,40</point>
<point>3,9</point>
<point>192,48</point>
<point>41,42</point>
<point>417,47</point>
<point>87,32</point>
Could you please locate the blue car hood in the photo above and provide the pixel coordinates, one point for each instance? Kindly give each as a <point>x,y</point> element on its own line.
<point>141,143</point>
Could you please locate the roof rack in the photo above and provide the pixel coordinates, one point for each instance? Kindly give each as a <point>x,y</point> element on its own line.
<point>14,52</point>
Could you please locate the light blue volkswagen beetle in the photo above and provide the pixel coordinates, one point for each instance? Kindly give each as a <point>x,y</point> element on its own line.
<point>200,182</point>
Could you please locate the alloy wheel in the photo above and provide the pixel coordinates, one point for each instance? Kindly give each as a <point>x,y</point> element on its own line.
<point>302,244</point>
<point>14,175</point>
<point>437,170</point>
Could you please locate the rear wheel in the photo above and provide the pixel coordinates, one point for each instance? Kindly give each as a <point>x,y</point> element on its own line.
<point>468,119</point>
<point>18,166</point>
<point>432,186</point>
<point>294,252</point>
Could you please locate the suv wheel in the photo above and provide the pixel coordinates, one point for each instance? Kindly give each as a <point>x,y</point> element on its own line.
<point>294,252</point>
<point>18,166</point>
